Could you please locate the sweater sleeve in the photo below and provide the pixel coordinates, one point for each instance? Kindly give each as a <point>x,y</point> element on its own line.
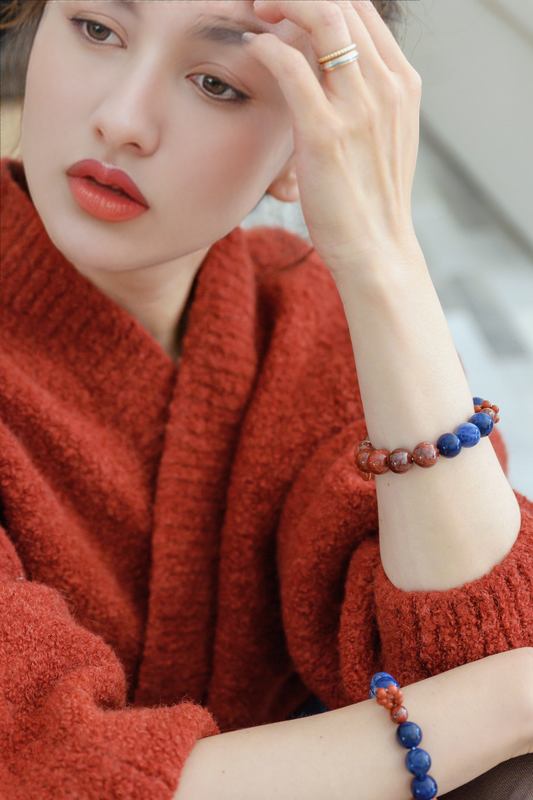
<point>65,728</point>
<point>344,619</point>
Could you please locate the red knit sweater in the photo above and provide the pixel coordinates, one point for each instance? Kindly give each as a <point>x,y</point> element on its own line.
<point>191,550</point>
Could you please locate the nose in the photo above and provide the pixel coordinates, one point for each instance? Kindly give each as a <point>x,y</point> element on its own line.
<point>128,116</point>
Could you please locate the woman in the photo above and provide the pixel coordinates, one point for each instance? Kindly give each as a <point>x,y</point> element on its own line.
<point>188,546</point>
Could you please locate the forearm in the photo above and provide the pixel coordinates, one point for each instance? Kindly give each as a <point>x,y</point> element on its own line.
<point>353,751</point>
<point>444,526</point>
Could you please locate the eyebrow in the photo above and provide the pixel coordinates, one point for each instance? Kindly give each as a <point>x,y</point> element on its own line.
<point>214,28</point>
<point>227,31</point>
<point>127,4</point>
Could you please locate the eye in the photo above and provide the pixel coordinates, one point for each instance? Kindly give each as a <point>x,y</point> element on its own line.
<point>93,31</point>
<point>219,90</point>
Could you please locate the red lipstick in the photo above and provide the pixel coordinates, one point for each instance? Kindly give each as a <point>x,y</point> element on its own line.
<point>106,193</point>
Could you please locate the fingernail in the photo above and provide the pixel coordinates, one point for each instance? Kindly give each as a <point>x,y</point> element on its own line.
<point>248,36</point>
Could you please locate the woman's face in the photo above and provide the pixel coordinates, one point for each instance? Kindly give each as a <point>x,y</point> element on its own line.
<point>201,127</point>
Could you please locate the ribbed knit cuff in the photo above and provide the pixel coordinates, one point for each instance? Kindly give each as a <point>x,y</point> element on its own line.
<point>437,631</point>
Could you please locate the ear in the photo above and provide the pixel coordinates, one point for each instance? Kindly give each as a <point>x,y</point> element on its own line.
<point>285,186</point>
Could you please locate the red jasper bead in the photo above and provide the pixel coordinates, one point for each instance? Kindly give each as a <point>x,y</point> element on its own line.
<point>381,694</point>
<point>377,462</point>
<point>492,411</point>
<point>425,455</point>
<point>398,714</point>
<point>361,460</point>
<point>486,404</point>
<point>389,697</point>
<point>496,410</point>
<point>366,444</point>
<point>398,696</point>
<point>400,461</point>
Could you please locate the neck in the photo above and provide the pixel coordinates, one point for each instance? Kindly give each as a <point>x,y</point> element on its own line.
<point>156,296</point>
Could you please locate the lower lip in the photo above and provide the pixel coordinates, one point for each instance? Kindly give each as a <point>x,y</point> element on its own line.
<point>102,202</point>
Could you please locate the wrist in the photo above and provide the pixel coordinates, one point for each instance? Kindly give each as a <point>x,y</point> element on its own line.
<point>379,259</point>
<point>522,679</point>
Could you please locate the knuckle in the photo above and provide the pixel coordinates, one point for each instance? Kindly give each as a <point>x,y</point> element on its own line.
<point>367,115</point>
<point>414,81</point>
<point>400,90</point>
<point>328,133</point>
<point>290,59</point>
<point>297,63</point>
<point>331,15</point>
<point>392,90</point>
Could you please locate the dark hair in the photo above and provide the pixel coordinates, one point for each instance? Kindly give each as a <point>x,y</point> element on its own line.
<point>29,12</point>
<point>18,13</point>
<point>20,20</point>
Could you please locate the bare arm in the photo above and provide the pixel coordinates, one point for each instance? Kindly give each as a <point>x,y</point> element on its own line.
<point>355,193</point>
<point>352,752</point>
<point>356,144</point>
<point>451,524</point>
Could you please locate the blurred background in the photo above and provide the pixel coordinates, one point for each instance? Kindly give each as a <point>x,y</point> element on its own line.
<point>473,195</point>
<point>473,192</point>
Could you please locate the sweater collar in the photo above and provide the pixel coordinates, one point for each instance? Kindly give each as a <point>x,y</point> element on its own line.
<point>58,312</point>
<point>185,422</point>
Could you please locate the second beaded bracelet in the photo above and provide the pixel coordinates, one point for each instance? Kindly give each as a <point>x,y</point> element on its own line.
<point>370,461</point>
<point>387,692</point>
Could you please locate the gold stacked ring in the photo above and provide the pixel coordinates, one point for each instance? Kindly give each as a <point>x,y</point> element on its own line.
<point>339,62</point>
<point>337,53</point>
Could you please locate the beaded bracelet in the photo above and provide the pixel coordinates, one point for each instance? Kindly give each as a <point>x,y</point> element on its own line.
<point>370,461</point>
<point>387,692</point>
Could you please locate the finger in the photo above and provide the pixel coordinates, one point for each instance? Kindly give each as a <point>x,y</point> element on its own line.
<point>322,19</point>
<point>382,37</point>
<point>332,25</point>
<point>304,95</point>
<point>328,31</point>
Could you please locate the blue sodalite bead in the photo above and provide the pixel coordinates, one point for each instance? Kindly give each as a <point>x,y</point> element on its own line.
<point>483,422</point>
<point>477,401</point>
<point>424,788</point>
<point>380,681</point>
<point>449,445</point>
<point>417,762</point>
<point>468,434</point>
<point>408,734</point>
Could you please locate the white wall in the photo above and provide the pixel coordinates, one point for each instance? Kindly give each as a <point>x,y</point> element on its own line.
<point>476,61</point>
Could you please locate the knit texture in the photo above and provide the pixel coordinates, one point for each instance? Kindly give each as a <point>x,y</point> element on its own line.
<point>188,550</point>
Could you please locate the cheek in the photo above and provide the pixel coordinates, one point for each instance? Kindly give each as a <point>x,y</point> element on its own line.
<point>230,170</point>
<point>229,156</point>
<point>214,173</point>
<point>63,87</point>
<point>50,99</point>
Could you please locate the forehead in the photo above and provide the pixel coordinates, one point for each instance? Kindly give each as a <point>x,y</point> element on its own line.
<point>243,10</point>
<point>203,15</point>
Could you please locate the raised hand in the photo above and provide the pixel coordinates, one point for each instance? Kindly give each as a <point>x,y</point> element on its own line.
<point>355,128</point>
<point>356,142</point>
